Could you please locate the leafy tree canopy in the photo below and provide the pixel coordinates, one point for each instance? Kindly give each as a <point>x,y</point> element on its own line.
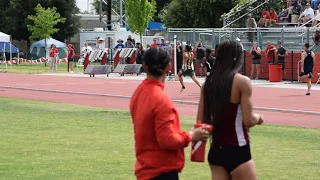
<point>44,23</point>
<point>14,17</point>
<point>160,4</point>
<point>194,13</point>
<point>139,13</point>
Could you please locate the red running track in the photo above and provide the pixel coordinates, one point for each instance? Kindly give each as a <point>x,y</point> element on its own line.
<point>293,99</point>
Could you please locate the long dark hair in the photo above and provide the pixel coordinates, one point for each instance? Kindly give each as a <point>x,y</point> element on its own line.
<point>218,86</point>
<point>156,59</point>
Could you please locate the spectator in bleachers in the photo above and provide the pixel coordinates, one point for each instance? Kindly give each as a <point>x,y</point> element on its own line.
<point>315,4</point>
<point>306,15</point>
<point>296,10</point>
<point>317,17</point>
<point>265,19</point>
<point>120,44</point>
<point>304,4</point>
<point>129,43</point>
<point>256,59</point>
<point>251,25</point>
<point>316,37</point>
<point>287,3</point>
<point>273,16</point>
<point>270,52</point>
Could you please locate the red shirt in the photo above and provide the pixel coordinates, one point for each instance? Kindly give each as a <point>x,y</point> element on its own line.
<point>159,139</point>
<point>270,54</point>
<point>274,16</point>
<point>153,45</point>
<point>53,52</point>
<point>70,53</point>
<point>265,14</point>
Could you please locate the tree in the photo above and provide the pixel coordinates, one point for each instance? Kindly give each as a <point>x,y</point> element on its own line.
<point>14,17</point>
<point>192,14</point>
<point>44,23</point>
<point>160,5</point>
<point>139,14</point>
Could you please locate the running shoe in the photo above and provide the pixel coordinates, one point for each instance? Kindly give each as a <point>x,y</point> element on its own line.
<point>183,88</point>
<point>308,94</point>
<point>311,75</point>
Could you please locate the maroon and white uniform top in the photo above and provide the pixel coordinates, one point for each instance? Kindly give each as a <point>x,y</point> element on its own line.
<point>233,131</point>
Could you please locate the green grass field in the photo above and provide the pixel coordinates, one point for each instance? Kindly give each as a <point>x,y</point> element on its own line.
<point>27,68</point>
<point>42,140</point>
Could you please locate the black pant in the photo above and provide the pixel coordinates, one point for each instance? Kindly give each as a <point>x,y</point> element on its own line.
<point>173,175</point>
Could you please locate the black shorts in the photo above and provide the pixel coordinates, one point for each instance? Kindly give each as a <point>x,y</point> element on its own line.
<point>283,64</point>
<point>256,61</point>
<point>70,59</point>
<point>306,73</point>
<point>173,175</point>
<point>229,157</point>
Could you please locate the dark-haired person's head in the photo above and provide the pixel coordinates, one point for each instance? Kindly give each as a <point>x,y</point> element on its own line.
<point>217,88</point>
<point>208,51</point>
<point>188,48</point>
<point>306,46</point>
<point>157,63</point>
<point>229,56</point>
<point>216,47</point>
<point>53,46</point>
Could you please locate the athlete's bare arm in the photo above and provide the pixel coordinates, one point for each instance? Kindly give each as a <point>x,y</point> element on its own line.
<point>250,119</point>
<point>314,58</point>
<point>303,56</point>
<point>258,50</point>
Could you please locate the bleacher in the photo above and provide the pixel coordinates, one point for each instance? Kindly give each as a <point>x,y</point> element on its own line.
<point>293,37</point>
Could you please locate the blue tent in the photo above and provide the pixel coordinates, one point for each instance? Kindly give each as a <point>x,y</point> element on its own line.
<point>153,26</point>
<point>5,47</point>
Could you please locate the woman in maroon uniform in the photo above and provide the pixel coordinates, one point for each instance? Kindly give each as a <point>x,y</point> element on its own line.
<point>225,103</point>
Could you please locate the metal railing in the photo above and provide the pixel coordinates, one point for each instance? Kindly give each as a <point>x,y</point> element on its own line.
<point>240,8</point>
<point>262,3</point>
<point>291,38</point>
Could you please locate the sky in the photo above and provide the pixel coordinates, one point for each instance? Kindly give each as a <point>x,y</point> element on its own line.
<point>82,4</point>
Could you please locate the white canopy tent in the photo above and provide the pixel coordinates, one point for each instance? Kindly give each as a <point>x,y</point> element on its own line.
<point>6,38</point>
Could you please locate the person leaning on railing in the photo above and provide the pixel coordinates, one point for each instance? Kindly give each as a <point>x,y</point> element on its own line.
<point>307,15</point>
<point>316,19</point>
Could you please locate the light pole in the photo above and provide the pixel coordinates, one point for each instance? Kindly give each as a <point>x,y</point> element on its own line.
<point>175,55</point>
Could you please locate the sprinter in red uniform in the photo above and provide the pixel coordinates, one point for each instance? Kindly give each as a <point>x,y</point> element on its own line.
<point>159,139</point>
<point>225,103</point>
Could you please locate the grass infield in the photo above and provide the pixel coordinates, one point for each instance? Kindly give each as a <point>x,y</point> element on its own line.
<point>40,68</point>
<point>42,140</point>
